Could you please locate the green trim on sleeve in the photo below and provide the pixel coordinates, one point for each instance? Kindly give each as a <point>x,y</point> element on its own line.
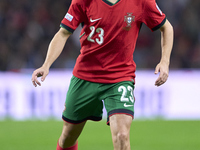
<point>160,25</point>
<point>66,28</point>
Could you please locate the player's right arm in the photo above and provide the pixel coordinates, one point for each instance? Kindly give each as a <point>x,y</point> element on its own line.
<point>55,48</point>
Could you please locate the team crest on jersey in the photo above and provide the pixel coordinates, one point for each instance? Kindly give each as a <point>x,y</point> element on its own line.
<point>129,18</point>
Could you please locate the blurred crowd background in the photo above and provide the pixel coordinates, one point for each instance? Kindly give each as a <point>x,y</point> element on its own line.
<point>27,26</point>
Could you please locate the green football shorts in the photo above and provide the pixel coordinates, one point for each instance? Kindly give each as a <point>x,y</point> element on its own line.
<point>85,100</point>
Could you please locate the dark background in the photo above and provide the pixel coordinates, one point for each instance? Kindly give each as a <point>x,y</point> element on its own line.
<point>27,26</point>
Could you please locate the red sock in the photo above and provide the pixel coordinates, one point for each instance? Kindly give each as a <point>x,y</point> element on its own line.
<point>75,147</point>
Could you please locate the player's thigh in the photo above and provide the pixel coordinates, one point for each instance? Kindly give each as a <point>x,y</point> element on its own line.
<point>82,102</point>
<point>119,99</point>
<point>120,125</point>
<point>120,122</point>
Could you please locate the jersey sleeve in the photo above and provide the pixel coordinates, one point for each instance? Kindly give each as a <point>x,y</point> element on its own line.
<point>153,17</point>
<point>74,16</point>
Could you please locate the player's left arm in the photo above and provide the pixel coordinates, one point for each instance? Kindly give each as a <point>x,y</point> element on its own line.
<point>167,36</point>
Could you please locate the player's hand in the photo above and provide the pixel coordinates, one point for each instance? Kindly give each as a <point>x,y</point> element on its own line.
<point>40,72</point>
<point>163,68</point>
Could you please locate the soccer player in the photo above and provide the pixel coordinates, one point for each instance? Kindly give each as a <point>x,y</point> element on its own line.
<point>105,69</point>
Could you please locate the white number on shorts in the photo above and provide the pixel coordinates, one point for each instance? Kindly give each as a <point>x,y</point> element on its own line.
<point>124,90</point>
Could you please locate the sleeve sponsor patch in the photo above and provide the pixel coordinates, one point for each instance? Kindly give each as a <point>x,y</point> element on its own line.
<point>69,17</point>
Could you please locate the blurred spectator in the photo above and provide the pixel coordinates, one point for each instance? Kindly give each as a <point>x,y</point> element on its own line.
<point>26,28</point>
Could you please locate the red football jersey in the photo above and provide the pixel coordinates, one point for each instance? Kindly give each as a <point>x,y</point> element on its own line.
<point>109,36</point>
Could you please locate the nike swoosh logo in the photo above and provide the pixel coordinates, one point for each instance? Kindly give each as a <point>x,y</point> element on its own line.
<point>125,105</point>
<point>93,20</point>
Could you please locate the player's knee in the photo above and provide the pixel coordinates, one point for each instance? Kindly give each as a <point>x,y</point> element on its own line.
<point>122,136</point>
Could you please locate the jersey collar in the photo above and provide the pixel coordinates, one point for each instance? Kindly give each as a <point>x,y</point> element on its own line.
<point>109,3</point>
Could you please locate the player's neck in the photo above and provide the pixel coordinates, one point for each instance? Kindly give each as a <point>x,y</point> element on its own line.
<point>113,1</point>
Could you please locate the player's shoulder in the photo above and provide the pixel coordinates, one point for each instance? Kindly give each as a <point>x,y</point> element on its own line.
<point>144,3</point>
<point>138,3</point>
<point>149,1</point>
